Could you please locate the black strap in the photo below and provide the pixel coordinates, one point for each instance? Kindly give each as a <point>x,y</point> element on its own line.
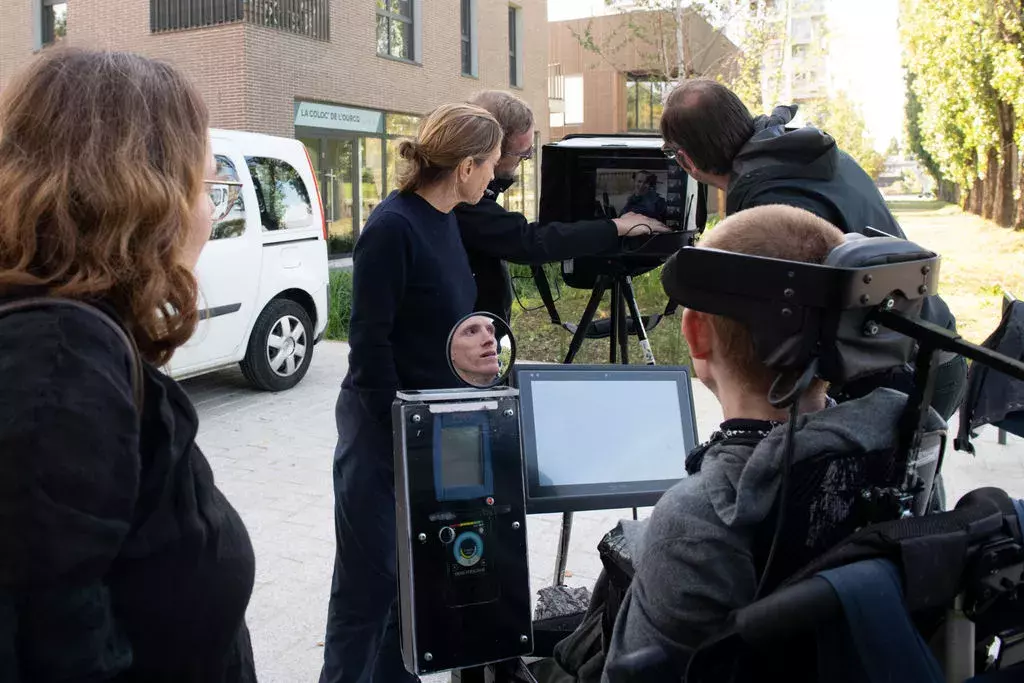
<point>31,303</point>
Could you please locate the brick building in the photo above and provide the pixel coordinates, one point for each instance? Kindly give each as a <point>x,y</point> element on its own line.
<point>611,73</point>
<point>347,77</point>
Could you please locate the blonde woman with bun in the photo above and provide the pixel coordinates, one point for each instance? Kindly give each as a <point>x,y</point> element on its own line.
<point>411,284</point>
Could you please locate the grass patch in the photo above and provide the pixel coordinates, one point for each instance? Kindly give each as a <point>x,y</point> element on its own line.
<point>540,341</point>
<point>906,205</point>
<point>979,260</point>
<point>339,305</point>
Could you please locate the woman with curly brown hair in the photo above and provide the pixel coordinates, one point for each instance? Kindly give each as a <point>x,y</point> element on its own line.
<point>119,558</point>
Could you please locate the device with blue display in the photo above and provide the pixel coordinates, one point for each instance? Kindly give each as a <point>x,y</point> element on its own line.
<point>464,581</point>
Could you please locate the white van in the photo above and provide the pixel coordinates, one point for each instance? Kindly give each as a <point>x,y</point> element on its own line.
<point>263,276</point>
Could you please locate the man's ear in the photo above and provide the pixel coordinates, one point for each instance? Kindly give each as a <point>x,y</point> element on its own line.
<point>688,165</point>
<point>698,333</point>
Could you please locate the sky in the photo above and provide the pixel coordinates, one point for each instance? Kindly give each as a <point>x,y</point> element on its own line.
<point>865,51</point>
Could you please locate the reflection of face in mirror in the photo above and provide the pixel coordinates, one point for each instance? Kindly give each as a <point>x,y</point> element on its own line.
<point>481,350</point>
<point>474,351</point>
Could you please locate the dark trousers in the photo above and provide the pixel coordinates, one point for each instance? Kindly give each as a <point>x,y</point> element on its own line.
<point>362,641</point>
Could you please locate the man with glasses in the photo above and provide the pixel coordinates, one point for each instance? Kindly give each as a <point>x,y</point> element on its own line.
<point>493,235</point>
<point>760,161</point>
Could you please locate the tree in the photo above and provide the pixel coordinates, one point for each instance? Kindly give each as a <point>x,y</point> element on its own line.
<point>893,150</point>
<point>666,39</point>
<point>965,74</point>
<point>838,116</point>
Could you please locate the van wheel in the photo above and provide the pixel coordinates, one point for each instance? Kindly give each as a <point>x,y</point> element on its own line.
<point>280,348</point>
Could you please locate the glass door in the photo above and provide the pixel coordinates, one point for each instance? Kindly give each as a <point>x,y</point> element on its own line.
<point>336,175</point>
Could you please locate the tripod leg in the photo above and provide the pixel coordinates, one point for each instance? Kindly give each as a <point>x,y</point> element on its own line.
<point>613,337</point>
<point>630,296</point>
<point>588,316</point>
<point>622,333</point>
<point>563,549</point>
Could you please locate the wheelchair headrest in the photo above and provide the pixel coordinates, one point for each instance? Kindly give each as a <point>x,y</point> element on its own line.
<point>803,313</point>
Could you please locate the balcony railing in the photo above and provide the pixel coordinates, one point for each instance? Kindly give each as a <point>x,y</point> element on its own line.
<point>309,18</point>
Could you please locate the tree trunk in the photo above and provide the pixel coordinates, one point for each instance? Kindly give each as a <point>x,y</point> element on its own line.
<point>950,192</point>
<point>1003,210</point>
<point>1018,214</point>
<point>977,196</point>
<point>683,57</point>
<point>988,207</point>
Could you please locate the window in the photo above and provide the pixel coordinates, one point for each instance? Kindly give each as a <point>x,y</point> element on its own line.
<point>395,29</point>
<point>800,52</point>
<point>54,21</point>
<point>801,30</point>
<point>281,194</point>
<point>228,206</point>
<point>573,100</point>
<point>645,100</point>
<point>515,66</point>
<point>309,18</point>
<point>468,38</point>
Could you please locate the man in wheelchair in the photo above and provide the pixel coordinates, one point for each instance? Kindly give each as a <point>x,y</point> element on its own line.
<point>792,482</point>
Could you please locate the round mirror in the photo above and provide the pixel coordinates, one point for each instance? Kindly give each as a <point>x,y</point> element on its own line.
<point>481,350</point>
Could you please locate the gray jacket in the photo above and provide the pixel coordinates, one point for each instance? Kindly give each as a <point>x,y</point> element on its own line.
<point>695,561</point>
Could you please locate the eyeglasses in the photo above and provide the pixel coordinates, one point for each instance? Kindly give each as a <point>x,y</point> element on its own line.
<point>523,156</point>
<point>670,151</point>
<point>224,195</point>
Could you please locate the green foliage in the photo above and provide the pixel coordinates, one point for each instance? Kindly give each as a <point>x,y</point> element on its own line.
<point>340,244</point>
<point>965,64</point>
<point>537,339</point>
<point>339,305</point>
<point>915,140</point>
<point>840,117</point>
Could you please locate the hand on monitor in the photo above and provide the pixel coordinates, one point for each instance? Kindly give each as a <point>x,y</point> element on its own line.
<point>636,225</point>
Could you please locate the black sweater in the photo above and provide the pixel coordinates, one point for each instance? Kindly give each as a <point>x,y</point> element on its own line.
<point>120,560</point>
<point>411,285</point>
<point>493,235</point>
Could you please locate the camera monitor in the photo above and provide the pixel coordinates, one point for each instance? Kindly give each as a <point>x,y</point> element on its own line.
<point>588,177</point>
<point>603,437</point>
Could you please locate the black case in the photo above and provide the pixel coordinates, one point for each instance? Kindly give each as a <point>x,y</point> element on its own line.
<point>455,615</point>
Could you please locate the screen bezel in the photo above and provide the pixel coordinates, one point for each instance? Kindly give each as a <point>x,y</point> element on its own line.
<point>457,493</point>
<point>607,495</point>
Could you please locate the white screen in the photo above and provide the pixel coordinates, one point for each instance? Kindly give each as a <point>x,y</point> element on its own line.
<point>608,431</point>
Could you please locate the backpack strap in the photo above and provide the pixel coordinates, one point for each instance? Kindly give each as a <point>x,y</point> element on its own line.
<point>31,303</point>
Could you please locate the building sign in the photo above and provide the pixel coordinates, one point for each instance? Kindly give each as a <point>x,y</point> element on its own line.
<point>314,115</point>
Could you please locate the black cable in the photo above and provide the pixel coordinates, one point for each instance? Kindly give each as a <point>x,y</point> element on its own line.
<point>780,520</point>
<point>649,234</point>
<point>792,399</point>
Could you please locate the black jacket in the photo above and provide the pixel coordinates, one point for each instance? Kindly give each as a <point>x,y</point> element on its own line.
<point>120,559</point>
<point>492,235</point>
<point>803,167</point>
<point>994,397</point>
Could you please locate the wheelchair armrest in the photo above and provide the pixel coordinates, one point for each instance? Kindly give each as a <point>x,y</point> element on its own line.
<point>788,612</point>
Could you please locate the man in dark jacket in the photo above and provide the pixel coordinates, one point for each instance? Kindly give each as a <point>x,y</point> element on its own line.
<point>760,161</point>
<point>493,235</point>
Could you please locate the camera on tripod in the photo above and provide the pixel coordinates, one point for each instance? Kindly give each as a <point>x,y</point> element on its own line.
<point>586,177</point>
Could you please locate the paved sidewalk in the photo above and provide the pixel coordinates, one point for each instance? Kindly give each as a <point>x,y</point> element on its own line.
<point>272,455</point>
